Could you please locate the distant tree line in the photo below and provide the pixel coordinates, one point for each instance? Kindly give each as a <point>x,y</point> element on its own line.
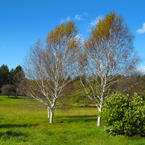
<point>132,83</point>
<point>12,81</point>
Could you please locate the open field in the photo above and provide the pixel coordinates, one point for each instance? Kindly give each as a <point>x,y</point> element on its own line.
<point>24,122</point>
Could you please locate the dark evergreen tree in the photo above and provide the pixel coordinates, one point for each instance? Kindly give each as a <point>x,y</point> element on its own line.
<point>11,75</point>
<point>4,75</point>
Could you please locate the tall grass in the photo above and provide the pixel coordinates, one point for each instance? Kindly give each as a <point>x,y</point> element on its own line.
<point>24,121</point>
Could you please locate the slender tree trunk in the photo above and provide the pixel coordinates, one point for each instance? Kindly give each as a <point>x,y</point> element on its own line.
<point>100,108</point>
<point>48,112</point>
<point>99,117</point>
<point>51,115</point>
<point>99,121</point>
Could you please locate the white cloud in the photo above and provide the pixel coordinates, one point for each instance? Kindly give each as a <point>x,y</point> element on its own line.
<point>86,14</point>
<point>141,69</point>
<point>78,17</point>
<point>141,31</point>
<point>65,20</point>
<point>80,37</point>
<point>95,21</point>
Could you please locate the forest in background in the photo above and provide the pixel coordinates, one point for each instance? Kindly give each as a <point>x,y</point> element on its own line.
<point>13,84</point>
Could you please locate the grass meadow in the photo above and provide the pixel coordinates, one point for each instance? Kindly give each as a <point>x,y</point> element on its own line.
<point>24,121</point>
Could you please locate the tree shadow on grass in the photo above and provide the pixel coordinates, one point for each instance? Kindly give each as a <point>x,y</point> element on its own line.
<point>13,97</point>
<point>76,119</point>
<point>15,125</point>
<point>85,107</point>
<point>13,134</point>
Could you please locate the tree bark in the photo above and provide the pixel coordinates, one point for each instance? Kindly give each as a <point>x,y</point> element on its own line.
<point>99,117</point>
<point>51,115</point>
<point>48,112</point>
<point>99,121</point>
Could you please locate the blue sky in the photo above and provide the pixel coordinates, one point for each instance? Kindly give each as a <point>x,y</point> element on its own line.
<point>23,21</point>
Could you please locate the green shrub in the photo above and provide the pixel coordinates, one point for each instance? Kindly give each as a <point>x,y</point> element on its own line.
<point>124,116</point>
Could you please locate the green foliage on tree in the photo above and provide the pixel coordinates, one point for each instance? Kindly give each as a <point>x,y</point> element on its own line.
<point>77,93</point>
<point>8,90</point>
<point>4,75</point>
<point>19,80</point>
<point>11,82</point>
<point>124,116</point>
<point>11,75</point>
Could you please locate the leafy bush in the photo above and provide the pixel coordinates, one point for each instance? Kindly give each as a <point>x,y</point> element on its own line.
<point>124,116</point>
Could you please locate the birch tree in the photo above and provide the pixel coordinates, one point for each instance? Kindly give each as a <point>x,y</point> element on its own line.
<point>48,68</point>
<point>108,56</point>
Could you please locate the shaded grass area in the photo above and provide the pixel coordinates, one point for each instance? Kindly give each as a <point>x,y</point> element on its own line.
<point>24,121</point>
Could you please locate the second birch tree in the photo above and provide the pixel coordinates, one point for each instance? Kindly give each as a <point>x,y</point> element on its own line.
<point>109,55</point>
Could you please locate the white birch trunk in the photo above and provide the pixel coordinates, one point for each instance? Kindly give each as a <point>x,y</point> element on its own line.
<point>99,121</point>
<point>99,117</point>
<point>51,115</point>
<point>48,112</point>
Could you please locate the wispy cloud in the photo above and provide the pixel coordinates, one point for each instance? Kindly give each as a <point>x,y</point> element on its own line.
<point>86,14</point>
<point>141,69</point>
<point>66,19</point>
<point>80,37</point>
<point>96,20</point>
<point>141,31</point>
<point>78,17</point>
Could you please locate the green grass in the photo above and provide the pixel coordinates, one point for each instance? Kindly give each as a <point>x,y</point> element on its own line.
<point>24,121</point>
